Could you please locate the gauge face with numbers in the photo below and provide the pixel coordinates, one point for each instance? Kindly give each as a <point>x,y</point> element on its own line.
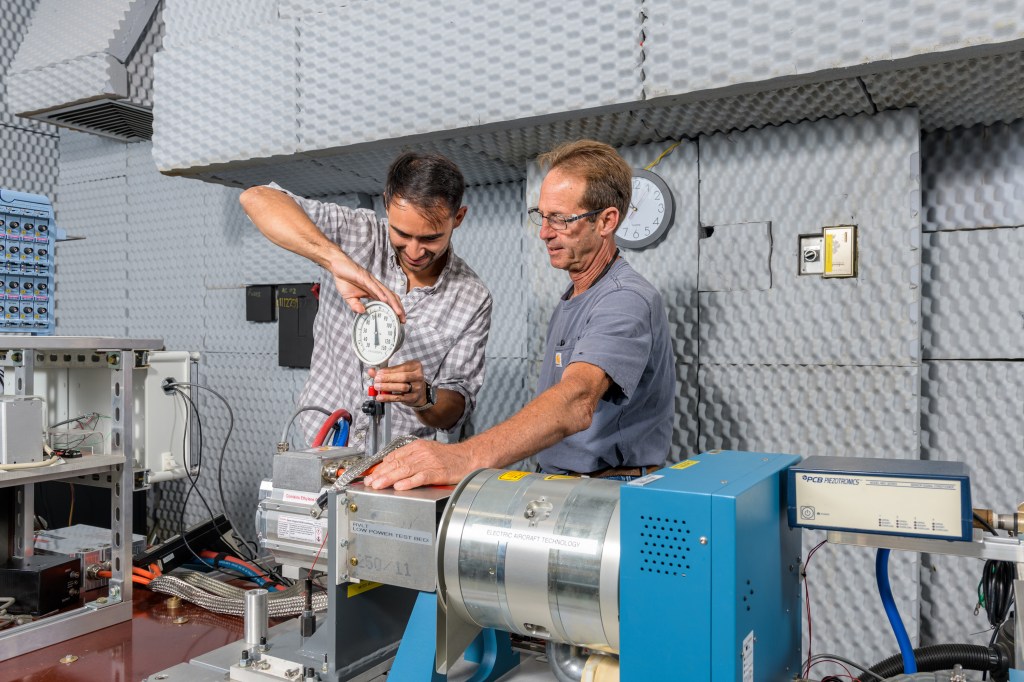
<point>649,214</point>
<point>377,334</point>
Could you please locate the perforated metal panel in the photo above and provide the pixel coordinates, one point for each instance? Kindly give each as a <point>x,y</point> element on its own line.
<point>972,306</point>
<point>861,171</point>
<point>973,177</point>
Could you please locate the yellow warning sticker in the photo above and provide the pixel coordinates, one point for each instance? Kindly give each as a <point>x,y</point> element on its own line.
<point>555,477</point>
<point>355,589</point>
<point>513,475</point>
<point>685,464</point>
<point>828,254</point>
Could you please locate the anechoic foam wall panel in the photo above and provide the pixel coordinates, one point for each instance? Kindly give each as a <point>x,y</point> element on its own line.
<point>29,161</point>
<point>973,177</point>
<point>861,171</point>
<point>191,21</point>
<point>212,106</point>
<point>967,92</point>
<point>91,279</point>
<point>166,268</point>
<point>685,115</point>
<point>971,412</point>
<point>17,15</point>
<point>972,306</point>
<point>494,68</point>
<point>733,42</point>
<point>490,240</point>
<point>825,410</point>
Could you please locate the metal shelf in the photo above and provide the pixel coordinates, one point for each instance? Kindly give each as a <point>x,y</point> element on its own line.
<point>114,471</point>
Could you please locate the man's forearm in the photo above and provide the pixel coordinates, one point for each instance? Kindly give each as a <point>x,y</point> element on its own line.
<point>446,412</point>
<point>557,413</point>
<point>284,223</point>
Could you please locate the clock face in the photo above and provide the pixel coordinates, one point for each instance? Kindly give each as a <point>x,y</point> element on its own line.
<point>377,334</point>
<point>650,212</point>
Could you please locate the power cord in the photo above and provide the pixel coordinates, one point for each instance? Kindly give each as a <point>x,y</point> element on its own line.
<point>169,386</point>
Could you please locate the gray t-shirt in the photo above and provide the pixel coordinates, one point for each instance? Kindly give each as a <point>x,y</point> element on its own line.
<point>619,325</point>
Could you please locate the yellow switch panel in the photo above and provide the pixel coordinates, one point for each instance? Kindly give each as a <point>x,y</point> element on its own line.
<point>840,251</point>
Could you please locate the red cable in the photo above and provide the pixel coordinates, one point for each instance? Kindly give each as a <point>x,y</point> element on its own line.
<point>331,421</point>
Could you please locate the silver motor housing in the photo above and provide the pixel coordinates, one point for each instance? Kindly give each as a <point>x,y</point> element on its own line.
<point>533,554</point>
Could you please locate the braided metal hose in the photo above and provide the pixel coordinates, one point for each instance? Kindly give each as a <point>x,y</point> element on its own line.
<point>277,606</point>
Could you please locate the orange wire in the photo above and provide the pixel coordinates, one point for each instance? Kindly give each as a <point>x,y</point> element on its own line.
<point>143,572</point>
<point>138,579</point>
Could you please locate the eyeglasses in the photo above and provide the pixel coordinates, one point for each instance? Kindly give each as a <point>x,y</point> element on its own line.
<point>558,222</point>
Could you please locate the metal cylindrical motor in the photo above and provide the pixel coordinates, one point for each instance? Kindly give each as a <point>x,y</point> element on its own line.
<point>533,554</point>
<point>255,618</point>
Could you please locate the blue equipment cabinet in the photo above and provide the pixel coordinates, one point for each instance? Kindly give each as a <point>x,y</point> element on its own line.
<point>709,581</point>
<point>27,238</point>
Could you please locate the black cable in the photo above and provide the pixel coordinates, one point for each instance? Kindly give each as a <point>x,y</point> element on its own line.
<point>176,386</point>
<point>985,524</point>
<point>223,448</point>
<point>995,589</point>
<point>192,480</point>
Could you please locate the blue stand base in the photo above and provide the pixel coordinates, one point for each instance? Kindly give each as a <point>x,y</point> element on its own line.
<point>492,650</point>
<point>1017,675</point>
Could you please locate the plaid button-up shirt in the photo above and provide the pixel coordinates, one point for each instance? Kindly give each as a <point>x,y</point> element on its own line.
<point>446,326</point>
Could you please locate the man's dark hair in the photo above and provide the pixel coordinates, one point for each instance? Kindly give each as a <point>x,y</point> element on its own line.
<point>430,182</point>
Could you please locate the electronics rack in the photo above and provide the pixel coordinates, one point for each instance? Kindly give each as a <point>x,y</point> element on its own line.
<point>27,239</point>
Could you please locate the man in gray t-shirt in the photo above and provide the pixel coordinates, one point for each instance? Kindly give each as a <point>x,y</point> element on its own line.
<point>605,401</point>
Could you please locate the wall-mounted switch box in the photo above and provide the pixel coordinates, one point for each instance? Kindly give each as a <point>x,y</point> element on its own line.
<point>840,251</point>
<point>810,254</point>
<point>260,305</point>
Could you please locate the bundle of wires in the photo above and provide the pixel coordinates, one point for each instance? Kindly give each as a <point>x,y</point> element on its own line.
<point>246,569</point>
<point>338,422</point>
<point>140,576</point>
<point>995,593</point>
<point>249,561</point>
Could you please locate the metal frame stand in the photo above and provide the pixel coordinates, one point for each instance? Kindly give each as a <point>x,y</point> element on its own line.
<point>114,471</point>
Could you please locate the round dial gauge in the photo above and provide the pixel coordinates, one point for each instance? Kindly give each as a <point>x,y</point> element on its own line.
<point>650,212</point>
<point>377,334</point>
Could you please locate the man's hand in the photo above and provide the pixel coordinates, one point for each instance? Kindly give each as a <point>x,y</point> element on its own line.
<point>355,282</point>
<point>423,462</point>
<point>402,383</point>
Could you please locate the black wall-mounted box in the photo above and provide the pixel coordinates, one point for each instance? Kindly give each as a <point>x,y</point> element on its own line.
<point>296,309</point>
<point>259,303</point>
<point>41,584</point>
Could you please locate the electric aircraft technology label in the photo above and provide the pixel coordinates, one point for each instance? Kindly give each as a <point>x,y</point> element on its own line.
<point>483,532</point>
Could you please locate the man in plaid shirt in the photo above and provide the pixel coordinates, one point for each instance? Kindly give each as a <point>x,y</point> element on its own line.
<point>406,261</point>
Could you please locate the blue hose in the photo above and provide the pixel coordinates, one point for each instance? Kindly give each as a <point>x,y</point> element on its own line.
<point>244,570</point>
<point>340,434</point>
<point>885,592</point>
